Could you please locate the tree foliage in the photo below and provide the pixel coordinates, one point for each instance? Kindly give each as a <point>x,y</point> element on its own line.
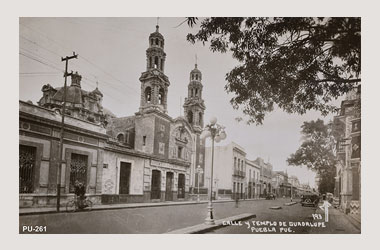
<point>316,152</point>
<point>297,63</point>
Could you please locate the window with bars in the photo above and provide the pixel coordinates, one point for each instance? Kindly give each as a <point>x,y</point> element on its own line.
<point>78,170</point>
<point>27,162</point>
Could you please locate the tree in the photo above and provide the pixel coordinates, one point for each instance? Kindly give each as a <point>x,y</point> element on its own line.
<point>298,63</point>
<point>316,152</point>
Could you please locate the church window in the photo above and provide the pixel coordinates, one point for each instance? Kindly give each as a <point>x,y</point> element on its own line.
<point>196,77</point>
<point>162,128</point>
<point>120,137</point>
<point>156,62</point>
<point>150,62</point>
<point>161,95</point>
<point>148,94</point>
<point>196,92</point>
<point>156,41</point>
<point>190,117</point>
<point>200,118</point>
<point>179,152</point>
<point>144,140</point>
<point>162,64</point>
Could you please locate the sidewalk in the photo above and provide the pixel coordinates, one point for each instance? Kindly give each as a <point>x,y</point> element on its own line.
<point>47,210</point>
<point>339,223</point>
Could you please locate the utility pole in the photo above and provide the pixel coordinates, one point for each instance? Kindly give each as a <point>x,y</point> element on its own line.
<point>66,59</point>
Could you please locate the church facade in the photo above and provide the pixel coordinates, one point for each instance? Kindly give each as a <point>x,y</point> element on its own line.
<point>148,156</point>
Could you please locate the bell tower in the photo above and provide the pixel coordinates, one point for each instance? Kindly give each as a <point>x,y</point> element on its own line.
<point>154,82</point>
<point>194,107</point>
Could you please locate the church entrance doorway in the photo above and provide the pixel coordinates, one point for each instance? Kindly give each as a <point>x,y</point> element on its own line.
<point>169,185</point>
<point>156,185</point>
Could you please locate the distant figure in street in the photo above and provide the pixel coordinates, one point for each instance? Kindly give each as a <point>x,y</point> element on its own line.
<point>236,200</point>
<point>80,192</point>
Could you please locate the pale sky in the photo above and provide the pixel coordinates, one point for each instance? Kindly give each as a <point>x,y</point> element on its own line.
<point>112,52</point>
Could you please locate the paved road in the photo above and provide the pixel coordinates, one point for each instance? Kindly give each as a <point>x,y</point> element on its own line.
<point>337,224</point>
<point>134,220</point>
<point>164,219</point>
<point>265,215</point>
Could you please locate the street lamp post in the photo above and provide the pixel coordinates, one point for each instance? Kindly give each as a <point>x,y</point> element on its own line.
<point>199,171</point>
<point>216,133</point>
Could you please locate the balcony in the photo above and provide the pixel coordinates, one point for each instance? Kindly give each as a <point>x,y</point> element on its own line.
<point>239,173</point>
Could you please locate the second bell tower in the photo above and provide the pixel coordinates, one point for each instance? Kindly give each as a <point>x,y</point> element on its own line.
<point>194,106</point>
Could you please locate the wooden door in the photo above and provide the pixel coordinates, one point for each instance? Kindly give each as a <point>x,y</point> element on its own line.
<point>125,177</point>
<point>156,185</point>
<point>169,185</point>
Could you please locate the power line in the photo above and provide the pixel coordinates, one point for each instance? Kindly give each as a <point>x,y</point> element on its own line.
<point>107,73</point>
<point>50,65</point>
<point>32,58</point>
<point>35,43</point>
<point>85,59</point>
<point>38,56</point>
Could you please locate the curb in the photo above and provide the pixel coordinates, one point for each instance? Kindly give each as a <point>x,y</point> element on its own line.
<point>130,205</point>
<point>203,228</point>
<point>290,203</point>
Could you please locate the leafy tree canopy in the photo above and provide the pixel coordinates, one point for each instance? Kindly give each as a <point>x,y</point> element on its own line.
<point>316,152</point>
<point>297,63</point>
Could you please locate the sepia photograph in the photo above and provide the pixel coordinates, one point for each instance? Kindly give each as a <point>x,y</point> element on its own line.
<point>189,125</point>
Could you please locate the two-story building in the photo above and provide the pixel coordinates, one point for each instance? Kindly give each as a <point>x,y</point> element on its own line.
<point>229,170</point>
<point>253,186</point>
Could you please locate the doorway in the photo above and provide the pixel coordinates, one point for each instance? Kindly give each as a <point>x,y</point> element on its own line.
<point>169,185</point>
<point>156,185</point>
<point>125,177</point>
<point>181,186</point>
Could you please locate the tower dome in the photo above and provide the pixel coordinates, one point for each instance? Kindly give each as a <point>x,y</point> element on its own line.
<point>196,74</point>
<point>156,39</point>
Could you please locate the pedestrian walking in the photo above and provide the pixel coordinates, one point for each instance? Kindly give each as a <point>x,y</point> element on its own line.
<point>325,207</point>
<point>236,200</point>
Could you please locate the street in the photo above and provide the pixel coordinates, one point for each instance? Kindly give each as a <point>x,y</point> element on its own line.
<point>165,219</point>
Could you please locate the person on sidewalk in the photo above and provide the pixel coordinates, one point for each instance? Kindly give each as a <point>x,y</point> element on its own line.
<point>325,207</point>
<point>80,192</point>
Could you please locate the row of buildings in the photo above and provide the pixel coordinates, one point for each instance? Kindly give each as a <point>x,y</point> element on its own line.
<point>236,175</point>
<point>145,157</point>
